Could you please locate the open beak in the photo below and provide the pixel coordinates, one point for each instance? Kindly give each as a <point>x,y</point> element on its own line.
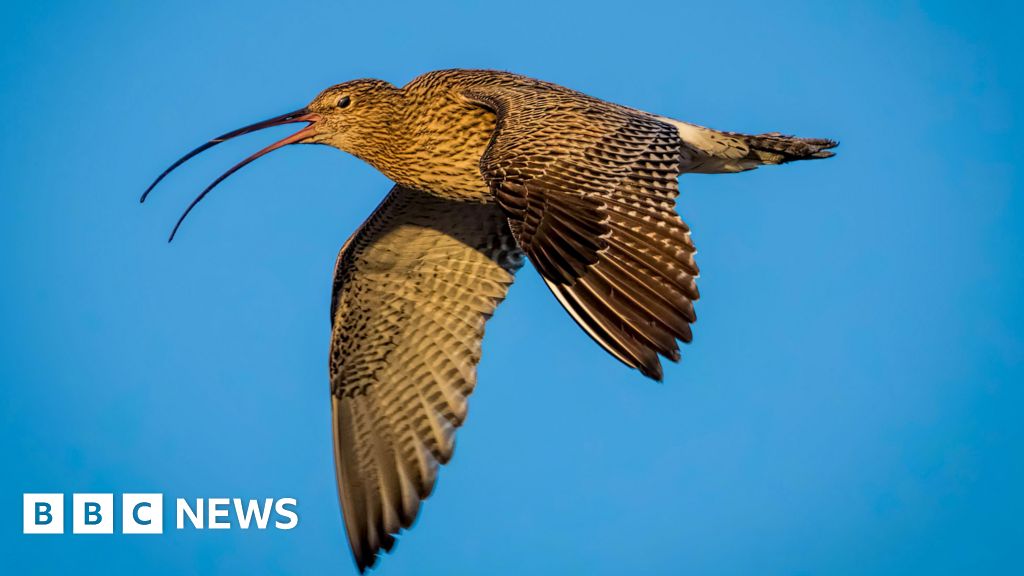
<point>301,115</point>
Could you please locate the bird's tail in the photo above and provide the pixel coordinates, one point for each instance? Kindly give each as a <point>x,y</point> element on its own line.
<point>714,152</point>
<point>776,148</point>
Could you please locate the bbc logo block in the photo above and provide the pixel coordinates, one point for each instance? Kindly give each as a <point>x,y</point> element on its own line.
<point>142,513</point>
<point>43,514</point>
<point>93,514</point>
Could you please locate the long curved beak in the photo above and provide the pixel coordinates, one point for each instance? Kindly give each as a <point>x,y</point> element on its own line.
<point>301,115</point>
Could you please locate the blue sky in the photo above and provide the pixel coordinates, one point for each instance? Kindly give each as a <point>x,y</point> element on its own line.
<point>851,401</point>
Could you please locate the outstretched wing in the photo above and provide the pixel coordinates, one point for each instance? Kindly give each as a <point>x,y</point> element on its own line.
<point>589,188</point>
<point>413,288</point>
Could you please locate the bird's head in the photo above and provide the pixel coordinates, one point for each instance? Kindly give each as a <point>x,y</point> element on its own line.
<point>354,116</point>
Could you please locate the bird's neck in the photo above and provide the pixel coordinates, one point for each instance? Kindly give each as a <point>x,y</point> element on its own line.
<point>435,145</point>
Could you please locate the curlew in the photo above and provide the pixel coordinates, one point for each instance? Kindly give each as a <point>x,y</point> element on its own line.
<point>488,167</point>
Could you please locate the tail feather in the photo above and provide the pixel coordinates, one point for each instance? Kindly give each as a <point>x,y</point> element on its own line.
<point>776,148</point>
<point>710,151</point>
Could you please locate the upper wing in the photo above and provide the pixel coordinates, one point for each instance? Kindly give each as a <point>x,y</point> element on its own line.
<point>413,288</point>
<point>589,188</point>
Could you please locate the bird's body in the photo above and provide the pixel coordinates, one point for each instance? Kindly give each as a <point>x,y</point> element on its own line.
<point>490,166</point>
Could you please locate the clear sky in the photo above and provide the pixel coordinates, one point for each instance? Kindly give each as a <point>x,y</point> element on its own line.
<point>850,404</point>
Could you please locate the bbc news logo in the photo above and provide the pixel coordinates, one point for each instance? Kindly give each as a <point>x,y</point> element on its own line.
<point>144,513</point>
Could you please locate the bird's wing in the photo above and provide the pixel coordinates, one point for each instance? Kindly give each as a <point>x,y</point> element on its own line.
<point>589,189</point>
<point>413,288</point>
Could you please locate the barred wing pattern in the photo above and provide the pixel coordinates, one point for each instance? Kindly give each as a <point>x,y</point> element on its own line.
<point>589,188</point>
<point>413,288</point>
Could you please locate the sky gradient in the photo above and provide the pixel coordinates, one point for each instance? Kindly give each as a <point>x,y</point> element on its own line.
<point>851,401</point>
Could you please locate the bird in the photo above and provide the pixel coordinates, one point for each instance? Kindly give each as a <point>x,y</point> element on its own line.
<point>490,169</point>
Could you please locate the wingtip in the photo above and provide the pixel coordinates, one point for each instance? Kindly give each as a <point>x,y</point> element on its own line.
<point>653,371</point>
<point>368,560</point>
<point>364,560</point>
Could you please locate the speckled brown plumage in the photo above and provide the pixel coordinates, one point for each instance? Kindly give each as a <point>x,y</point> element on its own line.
<point>490,166</point>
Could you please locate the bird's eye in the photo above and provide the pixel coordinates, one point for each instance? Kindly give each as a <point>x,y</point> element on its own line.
<point>344,101</point>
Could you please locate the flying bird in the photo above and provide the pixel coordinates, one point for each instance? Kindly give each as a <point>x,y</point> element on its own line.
<point>488,167</point>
